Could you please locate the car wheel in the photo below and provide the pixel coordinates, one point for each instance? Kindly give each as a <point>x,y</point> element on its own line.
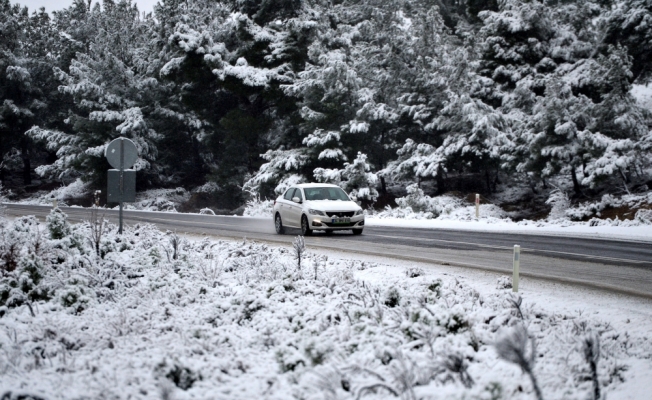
<point>305,228</point>
<point>278,224</point>
<point>357,231</point>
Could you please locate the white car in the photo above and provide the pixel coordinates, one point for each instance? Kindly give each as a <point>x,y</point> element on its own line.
<point>317,206</point>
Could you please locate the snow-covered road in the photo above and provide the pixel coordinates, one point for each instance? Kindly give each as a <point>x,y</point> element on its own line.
<point>623,266</point>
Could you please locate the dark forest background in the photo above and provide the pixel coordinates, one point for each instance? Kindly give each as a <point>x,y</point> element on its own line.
<point>251,96</point>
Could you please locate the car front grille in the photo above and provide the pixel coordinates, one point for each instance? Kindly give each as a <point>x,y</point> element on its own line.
<point>345,225</point>
<point>340,214</point>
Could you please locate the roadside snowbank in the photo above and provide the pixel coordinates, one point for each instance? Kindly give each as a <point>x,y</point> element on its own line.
<point>558,228</point>
<point>74,190</point>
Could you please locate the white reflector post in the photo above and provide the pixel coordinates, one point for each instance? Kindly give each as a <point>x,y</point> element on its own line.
<point>517,260</point>
<point>477,206</point>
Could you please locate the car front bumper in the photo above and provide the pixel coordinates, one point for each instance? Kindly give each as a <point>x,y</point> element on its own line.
<point>319,222</point>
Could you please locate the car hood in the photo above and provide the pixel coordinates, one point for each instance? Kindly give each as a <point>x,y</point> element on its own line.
<point>332,205</point>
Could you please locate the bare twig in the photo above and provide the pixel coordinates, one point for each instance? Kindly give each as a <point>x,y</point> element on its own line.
<point>175,241</point>
<point>98,227</point>
<point>375,386</point>
<point>591,350</point>
<point>299,246</point>
<point>516,304</point>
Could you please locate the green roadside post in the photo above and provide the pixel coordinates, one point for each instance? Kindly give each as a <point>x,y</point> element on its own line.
<point>121,153</point>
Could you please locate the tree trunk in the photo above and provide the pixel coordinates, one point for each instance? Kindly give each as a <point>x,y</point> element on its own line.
<point>441,183</point>
<point>576,184</point>
<point>496,182</point>
<point>627,175</point>
<point>383,185</point>
<point>27,165</point>
<point>487,178</point>
<point>196,159</point>
<point>625,180</point>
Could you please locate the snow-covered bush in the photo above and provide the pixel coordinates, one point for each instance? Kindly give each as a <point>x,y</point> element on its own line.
<point>417,201</point>
<point>259,208</point>
<point>560,203</point>
<point>490,213</point>
<point>57,223</point>
<point>160,199</point>
<point>417,205</point>
<point>206,211</point>
<point>64,194</point>
<point>591,209</point>
<point>208,187</point>
<point>245,320</point>
<point>504,282</point>
<point>23,248</point>
<point>644,216</point>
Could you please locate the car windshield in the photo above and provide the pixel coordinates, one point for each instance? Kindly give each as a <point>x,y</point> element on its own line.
<point>325,193</point>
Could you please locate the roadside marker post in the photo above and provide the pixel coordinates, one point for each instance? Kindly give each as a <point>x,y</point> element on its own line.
<point>517,261</point>
<point>477,206</point>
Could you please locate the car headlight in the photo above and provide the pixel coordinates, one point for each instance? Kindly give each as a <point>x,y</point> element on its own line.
<point>359,212</point>
<point>316,212</point>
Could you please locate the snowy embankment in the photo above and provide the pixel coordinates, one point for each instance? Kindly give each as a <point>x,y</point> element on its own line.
<point>166,200</point>
<point>89,314</point>
<point>560,228</point>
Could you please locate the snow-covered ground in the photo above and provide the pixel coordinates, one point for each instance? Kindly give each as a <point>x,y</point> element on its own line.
<point>161,316</point>
<point>560,228</point>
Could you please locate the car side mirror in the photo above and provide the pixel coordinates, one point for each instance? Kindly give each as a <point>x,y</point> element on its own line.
<point>296,199</point>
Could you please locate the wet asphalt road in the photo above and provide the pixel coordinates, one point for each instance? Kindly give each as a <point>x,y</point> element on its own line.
<point>613,265</point>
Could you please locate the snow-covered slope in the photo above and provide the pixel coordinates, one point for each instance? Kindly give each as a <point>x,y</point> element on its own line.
<point>162,316</point>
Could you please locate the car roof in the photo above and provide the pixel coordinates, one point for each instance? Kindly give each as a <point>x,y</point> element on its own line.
<point>308,185</point>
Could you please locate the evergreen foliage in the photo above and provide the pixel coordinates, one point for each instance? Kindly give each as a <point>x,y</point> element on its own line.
<point>261,95</point>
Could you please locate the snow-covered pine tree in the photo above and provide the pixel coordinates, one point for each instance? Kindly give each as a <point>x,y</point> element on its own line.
<point>28,51</point>
<point>111,98</point>
<point>358,180</point>
<point>355,178</point>
<point>619,124</point>
<point>282,169</point>
<point>628,24</point>
<point>555,138</point>
<point>478,137</point>
<point>417,161</point>
<point>15,114</point>
<point>360,91</point>
<point>228,60</point>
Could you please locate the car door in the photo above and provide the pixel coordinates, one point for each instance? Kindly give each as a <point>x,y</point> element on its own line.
<point>284,206</point>
<point>295,209</point>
